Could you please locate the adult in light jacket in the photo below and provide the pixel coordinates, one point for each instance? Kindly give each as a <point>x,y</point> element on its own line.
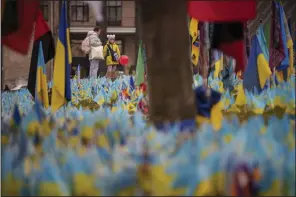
<point>94,42</point>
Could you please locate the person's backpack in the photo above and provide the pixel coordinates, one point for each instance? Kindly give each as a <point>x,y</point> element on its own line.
<point>85,45</point>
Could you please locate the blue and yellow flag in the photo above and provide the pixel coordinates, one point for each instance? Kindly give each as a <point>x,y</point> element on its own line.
<point>194,33</point>
<point>61,90</point>
<point>289,46</point>
<point>258,71</point>
<point>41,82</point>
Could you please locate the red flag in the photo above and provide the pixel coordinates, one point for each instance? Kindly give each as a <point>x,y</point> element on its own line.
<point>19,40</point>
<point>222,11</point>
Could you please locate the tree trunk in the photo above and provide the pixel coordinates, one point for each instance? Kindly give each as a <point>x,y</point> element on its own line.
<point>166,38</point>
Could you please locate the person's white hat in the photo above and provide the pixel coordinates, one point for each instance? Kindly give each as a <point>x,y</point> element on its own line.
<point>111,37</point>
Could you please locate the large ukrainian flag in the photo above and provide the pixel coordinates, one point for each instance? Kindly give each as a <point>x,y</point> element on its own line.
<point>61,90</point>
<point>41,82</point>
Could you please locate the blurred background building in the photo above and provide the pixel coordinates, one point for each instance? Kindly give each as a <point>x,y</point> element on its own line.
<point>120,19</point>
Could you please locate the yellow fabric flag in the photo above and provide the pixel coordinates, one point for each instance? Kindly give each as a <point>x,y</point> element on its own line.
<point>216,116</point>
<point>218,66</point>
<point>264,71</point>
<point>241,97</point>
<point>279,75</point>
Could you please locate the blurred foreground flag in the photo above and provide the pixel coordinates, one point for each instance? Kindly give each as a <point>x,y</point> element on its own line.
<point>97,7</point>
<point>42,34</point>
<point>258,70</point>
<point>17,23</point>
<point>41,81</point>
<point>222,11</point>
<point>61,90</point>
<point>140,69</point>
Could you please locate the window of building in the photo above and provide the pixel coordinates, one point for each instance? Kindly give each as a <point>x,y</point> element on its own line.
<point>114,12</point>
<point>79,11</point>
<point>44,4</point>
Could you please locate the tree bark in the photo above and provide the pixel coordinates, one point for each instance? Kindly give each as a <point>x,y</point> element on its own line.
<point>166,38</point>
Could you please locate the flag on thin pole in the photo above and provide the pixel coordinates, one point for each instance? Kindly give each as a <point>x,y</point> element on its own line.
<point>42,33</point>
<point>61,90</point>
<point>41,82</point>
<point>140,70</point>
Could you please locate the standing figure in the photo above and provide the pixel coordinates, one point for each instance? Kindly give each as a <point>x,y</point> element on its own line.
<point>112,55</point>
<point>94,43</point>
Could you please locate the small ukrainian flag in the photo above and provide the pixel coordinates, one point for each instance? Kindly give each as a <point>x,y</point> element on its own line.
<point>41,82</point>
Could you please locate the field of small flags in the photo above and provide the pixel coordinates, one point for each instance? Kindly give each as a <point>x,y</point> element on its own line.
<point>100,144</point>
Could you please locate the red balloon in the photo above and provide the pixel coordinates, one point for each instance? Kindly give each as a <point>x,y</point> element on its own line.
<point>123,60</point>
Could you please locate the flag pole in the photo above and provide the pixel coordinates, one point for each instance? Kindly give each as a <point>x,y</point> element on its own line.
<point>2,70</point>
<point>52,10</point>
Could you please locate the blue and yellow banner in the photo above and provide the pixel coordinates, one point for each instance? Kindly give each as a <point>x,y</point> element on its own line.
<point>61,90</point>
